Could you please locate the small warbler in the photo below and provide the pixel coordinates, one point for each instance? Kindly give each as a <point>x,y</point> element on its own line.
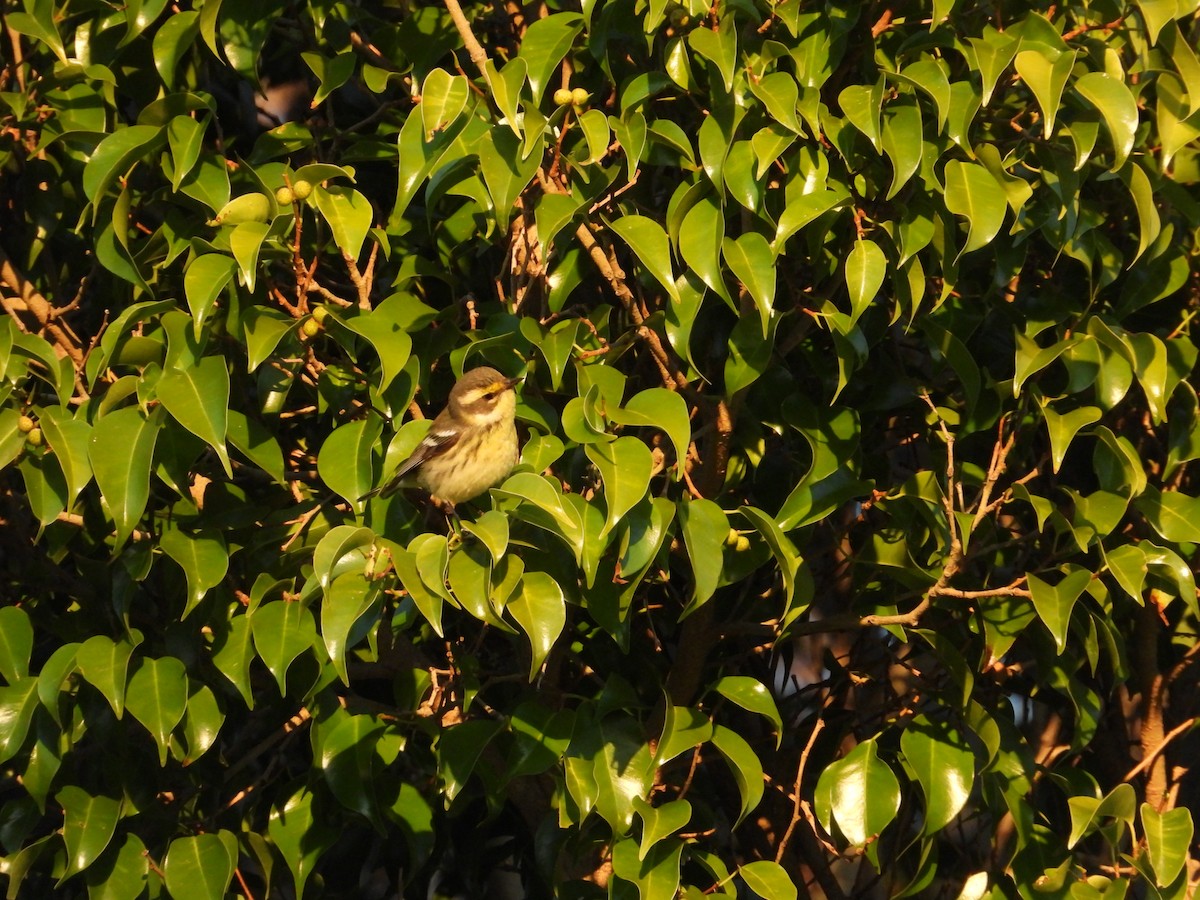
<point>471,445</point>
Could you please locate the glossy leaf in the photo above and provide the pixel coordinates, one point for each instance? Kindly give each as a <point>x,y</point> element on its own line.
<point>197,398</point>
<point>625,466</point>
<point>752,262</point>
<point>1117,108</point>
<point>348,214</point>
<point>768,879</point>
<point>345,462</point>
<point>866,267</point>
<point>301,835</point>
<point>973,193</point>
<point>649,243</point>
<point>746,767</point>
<point>89,823</point>
<point>203,558</point>
<point>944,765</point>
<point>282,631</point>
<point>105,664</point>
<point>1168,837</point>
<point>16,643</point>
<point>540,609</point>
<point>124,478</point>
<point>860,792</point>
<point>157,697</point>
<point>198,867</point>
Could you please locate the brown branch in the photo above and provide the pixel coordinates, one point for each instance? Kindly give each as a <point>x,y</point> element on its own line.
<point>30,300</point>
<point>474,48</point>
<point>797,796</point>
<point>1152,757</point>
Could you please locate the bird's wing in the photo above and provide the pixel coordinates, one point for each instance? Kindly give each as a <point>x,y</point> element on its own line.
<point>435,443</point>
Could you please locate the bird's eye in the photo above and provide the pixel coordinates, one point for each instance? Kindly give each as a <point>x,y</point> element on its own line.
<point>490,395</point>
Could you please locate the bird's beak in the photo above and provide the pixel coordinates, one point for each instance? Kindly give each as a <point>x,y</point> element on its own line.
<point>510,383</point>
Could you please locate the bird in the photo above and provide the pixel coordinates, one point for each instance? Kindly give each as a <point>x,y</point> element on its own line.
<point>471,445</point>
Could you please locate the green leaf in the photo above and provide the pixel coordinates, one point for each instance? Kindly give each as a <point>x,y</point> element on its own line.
<point>594,125</point>
<point>203,558</point>
<point>1088,812</point>
<point>866,267</point>
<point>1064,427</point>
<point>332,72</point>
<point>803,210</point>
<point>944,765</point>
<point>348,214</point>
<point>350,758</point>
<point>553,213</point>
<point>282,631</point>
<point>458,751</point>
<point>197,397</point>
<point>621,768</point>
<point>157,697</point>
<point>541,610</point>
<point>88,825</point>
<point>544,45</point>
<point>700,237</point>
<point>172,41</point>
<point>105,663</point>
<point>1045,70</point>
<point>233,651</point>
<point>203,721</point>
<point>384,330</point>
<point>115,155</point>
<point>505,171</point>
<point>302,834</point>
<point>719,47</point>
<point>18,702</point>
<point>1149,223</point>
<point>746,768</point>
<point>902,140</point>
<point>16,643</point>
<point>656,874</point>
<point>659,822</point>
<point>345,460</point>
<point>1117,107</point>
<point>973,193</point>
<point>1168,838</point>
<point>659,408</point>
<point>684,728</point>
<point>860,792</point>
<point>993,52</point>
<point>768,879</point>
<point>650,244</point>
<point>752,262</point>
<point>1055,602</point>
<point>121,450</point>
<point>255,442</point>
<point>346,601</point>
<point>506,85</point>
<point>203,282</point>
<point>751,695</point>
<point>862,105</point>
<point>779,94</point>
<point>246,243</point>
<point>1174,515</point>
<point>199,867</point>
<point>443,98</point>
<point>625,466</point>
<point>185,138</point>
<point>119,874</point>
<point>705,527</point>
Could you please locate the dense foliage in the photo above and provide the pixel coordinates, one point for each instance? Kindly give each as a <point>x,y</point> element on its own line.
<point>852,549</point>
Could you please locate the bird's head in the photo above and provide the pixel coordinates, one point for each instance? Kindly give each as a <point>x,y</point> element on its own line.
<point>483,396</point>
